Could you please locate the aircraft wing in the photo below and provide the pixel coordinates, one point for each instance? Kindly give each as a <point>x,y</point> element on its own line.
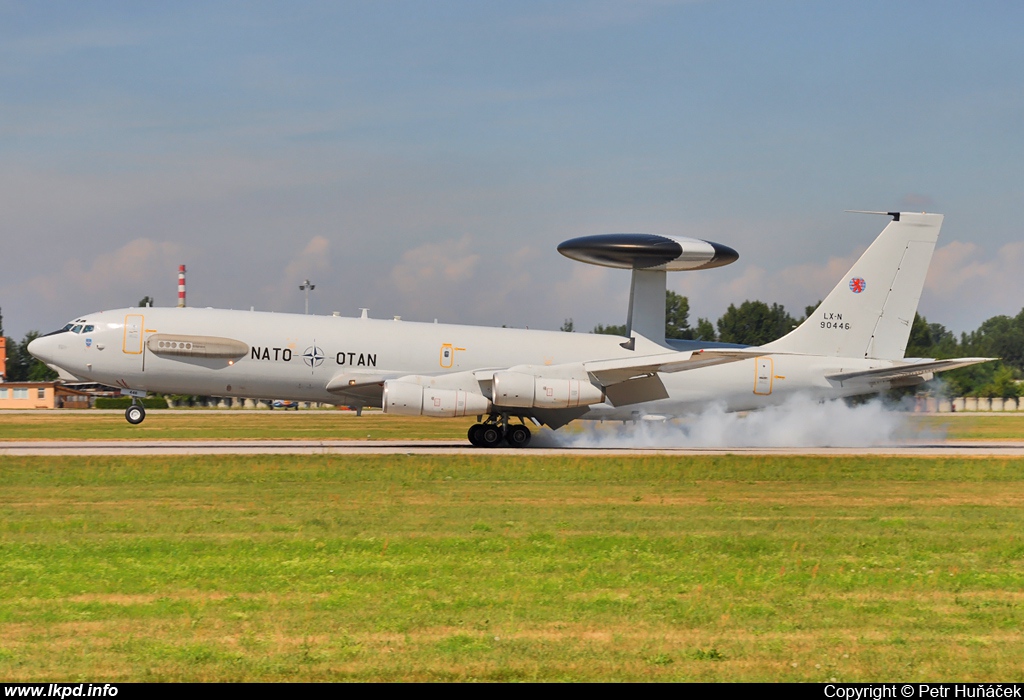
<point>609,372</point>
<point>910,369</point>
<point>625,381</point>
<point>635,379</point>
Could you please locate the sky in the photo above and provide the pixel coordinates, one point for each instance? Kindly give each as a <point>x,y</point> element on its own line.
<point>424,159</point>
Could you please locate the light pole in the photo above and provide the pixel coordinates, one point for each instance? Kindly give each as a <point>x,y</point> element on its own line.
<point>307,286</point>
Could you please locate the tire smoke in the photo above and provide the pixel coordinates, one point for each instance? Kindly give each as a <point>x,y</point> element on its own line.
<point>799,422</point>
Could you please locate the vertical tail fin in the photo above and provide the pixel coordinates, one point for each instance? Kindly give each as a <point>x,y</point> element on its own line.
<point>871,310</point>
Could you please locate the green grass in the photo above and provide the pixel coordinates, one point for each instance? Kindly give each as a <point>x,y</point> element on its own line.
<point>504,568</point>
<point>228,425</point>
<point>200,424</point>
<point>975,426</point>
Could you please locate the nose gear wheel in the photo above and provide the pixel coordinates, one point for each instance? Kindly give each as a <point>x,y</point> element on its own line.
<point>135,414</point>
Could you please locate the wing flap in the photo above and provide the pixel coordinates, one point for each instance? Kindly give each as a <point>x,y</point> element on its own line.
<point>634,391</point>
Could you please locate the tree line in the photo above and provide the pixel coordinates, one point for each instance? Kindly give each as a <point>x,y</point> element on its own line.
<point>21,366</point>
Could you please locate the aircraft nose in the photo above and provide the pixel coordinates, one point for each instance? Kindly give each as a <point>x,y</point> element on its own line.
<point>41,349</point>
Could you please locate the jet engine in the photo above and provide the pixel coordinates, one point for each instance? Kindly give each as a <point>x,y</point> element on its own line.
<point>519,390</point>
<point>406,398</point>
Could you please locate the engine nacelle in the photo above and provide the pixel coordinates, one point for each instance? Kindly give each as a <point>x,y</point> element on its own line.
<point>411,399</point>
<point>519,390</point>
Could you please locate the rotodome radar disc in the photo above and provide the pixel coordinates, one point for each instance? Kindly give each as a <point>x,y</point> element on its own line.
<point>648,251</point>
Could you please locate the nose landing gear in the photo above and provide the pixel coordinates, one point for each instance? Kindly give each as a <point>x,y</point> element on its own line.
<point>135,413</point>
<point>496,430</point>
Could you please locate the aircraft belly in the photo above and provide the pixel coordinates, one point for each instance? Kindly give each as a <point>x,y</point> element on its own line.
<point>215,378</point>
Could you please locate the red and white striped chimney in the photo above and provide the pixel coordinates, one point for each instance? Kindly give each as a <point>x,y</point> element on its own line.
<point>181,286</point>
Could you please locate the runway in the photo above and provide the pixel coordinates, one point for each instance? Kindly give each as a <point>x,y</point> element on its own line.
<point>70,448</point>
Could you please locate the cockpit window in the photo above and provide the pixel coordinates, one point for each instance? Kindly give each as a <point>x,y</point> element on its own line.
<point>88,329</point>
<point>65,329</point>
<point>77,328</point>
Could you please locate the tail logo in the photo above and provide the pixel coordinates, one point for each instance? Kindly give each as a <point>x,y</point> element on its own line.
<point>858,285</point>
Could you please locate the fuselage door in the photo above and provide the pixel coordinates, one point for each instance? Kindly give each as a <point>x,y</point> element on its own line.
<point>447,355</point>
<point>132,343</point>
<point>763,379</point>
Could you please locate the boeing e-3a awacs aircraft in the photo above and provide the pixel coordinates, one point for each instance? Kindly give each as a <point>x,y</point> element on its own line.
<point>852,344</point>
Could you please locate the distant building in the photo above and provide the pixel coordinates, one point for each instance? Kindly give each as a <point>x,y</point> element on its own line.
<point>41,395</point>
<point>37,394</point>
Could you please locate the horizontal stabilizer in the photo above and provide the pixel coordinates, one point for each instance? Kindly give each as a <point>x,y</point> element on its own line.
<point>608,372</point>
<point>910,369</point>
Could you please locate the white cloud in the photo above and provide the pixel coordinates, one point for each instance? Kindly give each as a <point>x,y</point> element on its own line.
<point>442,264</point>
<point>435,277</point>
<point>314,263</point>
<point>131,266</point>
<point>965,286</point>
<point>110,279</point>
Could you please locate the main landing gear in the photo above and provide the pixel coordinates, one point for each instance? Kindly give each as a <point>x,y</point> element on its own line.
<point>135,413</point>
<point>496,431</point>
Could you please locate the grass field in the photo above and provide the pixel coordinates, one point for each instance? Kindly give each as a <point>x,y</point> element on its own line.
<point>281,425</point>
<point>974,426</point>
<point>501,568</point>
<point>228,425</point>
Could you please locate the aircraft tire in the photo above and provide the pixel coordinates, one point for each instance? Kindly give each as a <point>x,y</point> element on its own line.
<point>474,433</point>
<point>490,435</point>
<point>135,414</point>
<point>518,436</point>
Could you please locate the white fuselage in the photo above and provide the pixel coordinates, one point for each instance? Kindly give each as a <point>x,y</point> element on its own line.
<point>291,356</point>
